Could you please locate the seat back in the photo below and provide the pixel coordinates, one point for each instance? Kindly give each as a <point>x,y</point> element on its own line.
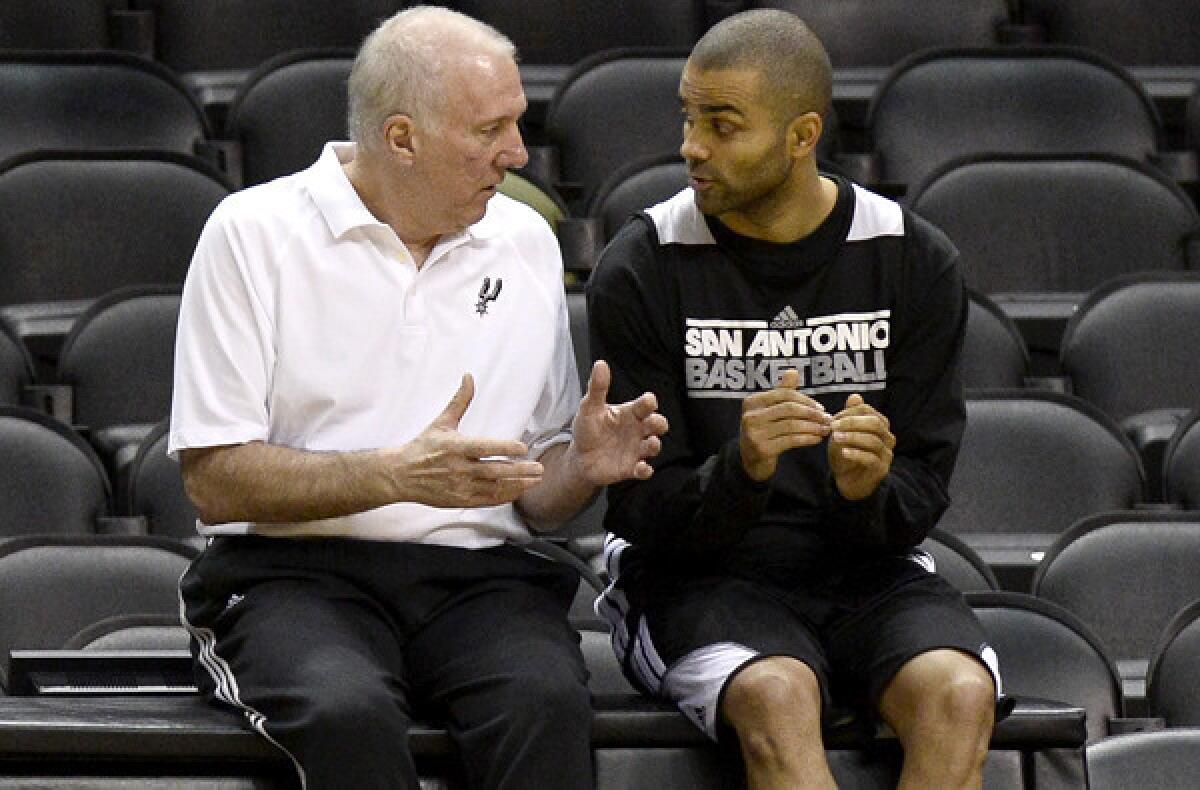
<point>76,226</point>
<point>994,352</point>
<point>16,366</point>
<point>635,187</point>
<point>1048,653</point>
<point>1125,575</point>
<point>1036,462</point>
<point>132,632</point>
<point>943,104</point>
<point>1162,760</point>
<point>94,101</point>
<point>241,34</point>
<point>554,32</point>
<point>52,481</point>
<point>287,109</point>
<point>958,563</point>
<point>1162,33</point>
<point>1134,344</point>
<point>1084,220</point>
<point>119,357</point>
<point>878,33</point>
<point>52,587</point>
<point>1173,680</point>
<point>53,24</point>
<point>1181,464</point>
<point>155,489</point>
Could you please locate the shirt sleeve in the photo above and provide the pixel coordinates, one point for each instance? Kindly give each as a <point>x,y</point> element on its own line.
<point>223,348</point>
<point>924,407</point>
<point>550,423</point>
<point>695,504</point>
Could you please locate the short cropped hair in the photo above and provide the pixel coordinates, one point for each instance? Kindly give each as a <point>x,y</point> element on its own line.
<point>401,66</point>
<point>777,44</point>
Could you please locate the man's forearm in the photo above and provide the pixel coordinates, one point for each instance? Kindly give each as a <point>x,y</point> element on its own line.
<point>563,492</point>
<point>268,483</point>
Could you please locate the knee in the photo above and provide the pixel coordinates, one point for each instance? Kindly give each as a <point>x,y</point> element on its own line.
<point>770,700</point>
<point>965,700</point>
<point>354,710</point>
<point>554,699</point>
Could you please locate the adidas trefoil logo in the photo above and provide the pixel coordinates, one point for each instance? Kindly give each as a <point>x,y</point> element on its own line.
<point>787,319</point>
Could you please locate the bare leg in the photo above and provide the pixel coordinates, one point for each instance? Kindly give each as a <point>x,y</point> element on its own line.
<point>941,705</point>
<point>774,706</point>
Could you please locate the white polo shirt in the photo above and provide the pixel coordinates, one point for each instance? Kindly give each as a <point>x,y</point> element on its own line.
<point>305,323</point>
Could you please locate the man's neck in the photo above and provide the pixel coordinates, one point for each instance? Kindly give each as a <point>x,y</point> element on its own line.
<point>388,206</point>
<point>792,216</point>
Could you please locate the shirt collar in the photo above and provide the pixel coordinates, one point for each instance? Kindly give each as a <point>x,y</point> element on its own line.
<point>343,210</point>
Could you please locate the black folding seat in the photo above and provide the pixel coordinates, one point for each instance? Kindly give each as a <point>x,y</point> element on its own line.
<point>634,187</point>
<point>118,362</point>
<point>1125,574</point>
<point>1083,220</point>
<point>879,33</point>
<point>958,563</point>
<point>51,587</point>
<point>1173,679</point>
<point>153,490</point>
<point>54,24</point>
<point>95,101</point>
<point>1161,33</point>
<point>53,482</point>
<point>994,353</point>
<point>1032,463</point>
<point>944,104</point>
<point>1133,349</point>
<point>1181,463</point>
<point>1160,760</point>
<point>74,226</point>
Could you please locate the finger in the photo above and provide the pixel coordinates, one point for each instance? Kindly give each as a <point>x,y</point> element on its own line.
<point>643,470</point>
<point>792,441</point>
<point>655,425</point>
<point>858,457</point>
<point>763,400</point>
<point>868,442</point>
<point>457,407</point>
<point>501,492</point>
<point>506,470</point>
<point>795,410</point>
<point>790,379</point>
<point>854,400</point>
<point>650,447</point>
<point>644,406</point>
<point>869,423</point>
<point>598,383</point>
<point>492,448</point>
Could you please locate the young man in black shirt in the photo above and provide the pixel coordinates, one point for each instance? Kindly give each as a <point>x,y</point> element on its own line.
<point>802,336</point>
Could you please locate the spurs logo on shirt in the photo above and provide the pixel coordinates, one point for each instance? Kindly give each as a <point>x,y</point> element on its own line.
<point>729,358</point>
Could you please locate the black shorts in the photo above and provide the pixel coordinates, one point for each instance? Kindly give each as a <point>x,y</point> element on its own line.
<point>683,640</point>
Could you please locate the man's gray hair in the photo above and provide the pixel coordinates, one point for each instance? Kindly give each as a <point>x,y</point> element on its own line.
<point>778,45</point>
<point>401,66</point>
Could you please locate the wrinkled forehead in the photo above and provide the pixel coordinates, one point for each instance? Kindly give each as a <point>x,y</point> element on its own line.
<point>482,86</point>
<point>735,89</point>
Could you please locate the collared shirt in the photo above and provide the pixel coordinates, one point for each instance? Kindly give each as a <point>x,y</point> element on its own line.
<point>306,323</point>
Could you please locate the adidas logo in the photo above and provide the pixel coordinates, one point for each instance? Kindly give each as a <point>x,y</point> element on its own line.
<point>787,319</point>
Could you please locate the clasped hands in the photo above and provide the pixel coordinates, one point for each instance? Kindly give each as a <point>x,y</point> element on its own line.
<point>860,441</point>
<point>445,468</point>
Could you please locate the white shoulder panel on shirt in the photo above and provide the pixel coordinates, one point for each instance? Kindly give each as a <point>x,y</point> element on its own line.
<point>874,216</point>
<point>678,221</point>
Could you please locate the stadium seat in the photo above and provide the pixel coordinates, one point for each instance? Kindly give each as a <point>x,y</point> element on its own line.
<point>943,104</point>
<point>1084,220</point>
<point>74,226</point>
<point>53,586</point>
<point>958,563</point>
<point>53,482</point>
<point>1173,679</point>
<point>1031,464</point>
<point>1162,33</point>
<point>1181,464</point>
<point>54,24</point>
<point>1162,760</point>
<point>154,490</point>
<point>994,353</point>
<point>118,362</point>
<point>634,187</point>
<point>1133,349</point>
<point>871,33</point>
<point>94,101</point>
<point>1125,574</point>
<point>131,632</point>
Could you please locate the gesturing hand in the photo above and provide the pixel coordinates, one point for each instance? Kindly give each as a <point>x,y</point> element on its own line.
<point>860,448</point>
<point>443,468</point>
<point>776,421</point>
<point>614,442</point>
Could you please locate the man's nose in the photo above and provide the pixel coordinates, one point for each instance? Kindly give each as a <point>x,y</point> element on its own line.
<point>513,155</point>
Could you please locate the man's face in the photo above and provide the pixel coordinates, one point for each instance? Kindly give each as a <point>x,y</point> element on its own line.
<point>733,141</point>
<point>465,151</point>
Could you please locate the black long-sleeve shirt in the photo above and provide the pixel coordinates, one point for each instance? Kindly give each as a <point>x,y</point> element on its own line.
<point>871,302</point>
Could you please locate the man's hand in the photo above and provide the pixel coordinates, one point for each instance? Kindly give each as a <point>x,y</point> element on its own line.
<point>776,421</point>
<point>443,468</point>
<point>860,449</point>
<point>614,442</point>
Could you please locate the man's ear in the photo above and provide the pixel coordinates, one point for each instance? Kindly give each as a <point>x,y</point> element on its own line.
<point>399,132</point>
<point>803,134</point>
